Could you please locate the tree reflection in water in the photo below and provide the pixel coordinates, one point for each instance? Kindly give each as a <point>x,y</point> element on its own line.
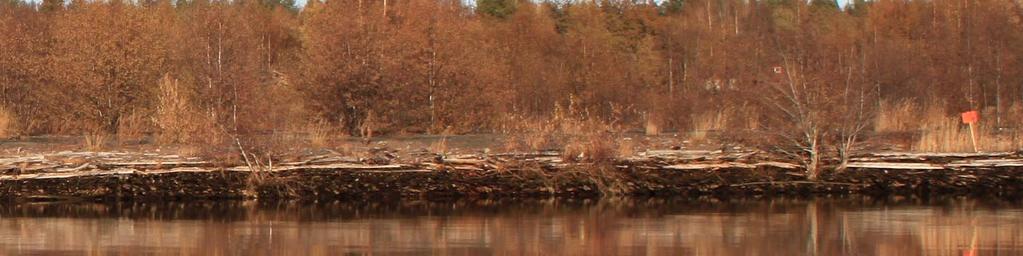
<point>779,226</point>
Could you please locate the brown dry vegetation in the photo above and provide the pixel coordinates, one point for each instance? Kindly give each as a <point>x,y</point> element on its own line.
<point>901,116</point>
<point>321,135</point>
<point>804,78</point>
<point>595,148</point>
<point>936,130</point>
<point>95,141</point>
<point>6,123</point>
<point>951,135</point>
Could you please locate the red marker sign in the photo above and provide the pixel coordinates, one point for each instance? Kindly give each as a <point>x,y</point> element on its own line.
<point>970,117</point>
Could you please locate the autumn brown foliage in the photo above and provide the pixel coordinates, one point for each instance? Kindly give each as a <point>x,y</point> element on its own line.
<point>247,69</point>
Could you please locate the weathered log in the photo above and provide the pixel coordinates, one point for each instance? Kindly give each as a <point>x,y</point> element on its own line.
<point>896,166</point>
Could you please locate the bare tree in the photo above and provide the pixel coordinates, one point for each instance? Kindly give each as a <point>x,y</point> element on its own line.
<point>796,116</point>
<point>814,117</point>
<point>854,113</point>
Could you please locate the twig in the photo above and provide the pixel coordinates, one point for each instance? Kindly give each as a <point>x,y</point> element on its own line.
<point>244,155</point>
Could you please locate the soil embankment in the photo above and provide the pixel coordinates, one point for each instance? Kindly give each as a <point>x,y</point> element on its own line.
<point>137,176</point>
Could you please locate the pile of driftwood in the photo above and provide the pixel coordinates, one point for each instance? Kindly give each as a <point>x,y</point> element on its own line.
<point>71,164</point>
<point>654,172</point>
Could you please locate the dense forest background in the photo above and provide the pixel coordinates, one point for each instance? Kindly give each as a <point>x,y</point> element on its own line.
<point>439,66</point>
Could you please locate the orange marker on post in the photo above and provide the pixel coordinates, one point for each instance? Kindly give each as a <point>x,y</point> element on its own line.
<point>971,117</point>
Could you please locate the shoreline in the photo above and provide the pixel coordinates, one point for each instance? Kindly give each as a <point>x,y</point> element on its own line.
<point>535,175</point>
<point>399,207</point>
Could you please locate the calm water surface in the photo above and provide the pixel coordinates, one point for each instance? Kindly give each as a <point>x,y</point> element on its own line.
<point>849,226</point>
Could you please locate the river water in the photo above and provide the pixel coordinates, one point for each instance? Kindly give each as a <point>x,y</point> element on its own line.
<point>779,226</point>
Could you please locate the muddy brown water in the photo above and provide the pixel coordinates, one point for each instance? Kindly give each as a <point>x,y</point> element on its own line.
<point>779,226</point>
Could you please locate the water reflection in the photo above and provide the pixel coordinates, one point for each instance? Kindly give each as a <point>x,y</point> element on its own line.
<point>850,226</point>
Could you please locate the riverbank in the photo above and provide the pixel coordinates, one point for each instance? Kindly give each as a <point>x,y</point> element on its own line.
<point>138,176</point>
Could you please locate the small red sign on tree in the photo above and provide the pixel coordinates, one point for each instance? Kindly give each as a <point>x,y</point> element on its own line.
<point>970,117</point>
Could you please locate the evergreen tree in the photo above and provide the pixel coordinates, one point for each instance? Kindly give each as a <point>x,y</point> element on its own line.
<point>496,8</point>
<point>672,6</point>
<point>52,5</point>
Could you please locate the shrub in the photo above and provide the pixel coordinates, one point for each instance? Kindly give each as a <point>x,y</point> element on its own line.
<point>178,120</point>
<point>597,147</point>
<point>174,113</point>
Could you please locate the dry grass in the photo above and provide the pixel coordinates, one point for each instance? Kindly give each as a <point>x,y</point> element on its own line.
<point>626,147</point>
<point>177,120</point>
<point>132,127</point>
<point>546,134</point>
<point>95,141</point>
<point>652,126</point>
<point>946,135</point>
<point>748,118</point>
<point>188,150</point>
<point>951,135</point>
<point>175,116</point>
<point>570,129</point>
<point>529,134</point>
<point>212,142</point>
<point>744,117</point>
<point>709,121</point>
<point>345,148</point>
<point>942,132</point>
<point>568,125</point>
<point>1014,115</point>
<point>592,148</point>
<point>369,125</point>
<point>319,134</point>
<point>441,146</point>
<point>541,135</point>
<point>902,116</point>
<point>6,123</point>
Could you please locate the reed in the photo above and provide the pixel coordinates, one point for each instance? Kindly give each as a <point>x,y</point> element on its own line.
<point>178,121</point>
<point>626,148</point>
<point>902,116</point>
<point>95,141</point>
<point>319,134</point>
<point>175,117</point>
<point>652,125</point>
<point>132,127</point>
<point>944,135</point>
<point>748,118</point>
<point>591,148</point>
<point>441,146</point>
<point>951,135</point>
<point>710,121</point>
<point>529,134</point>
<point>6,123</point>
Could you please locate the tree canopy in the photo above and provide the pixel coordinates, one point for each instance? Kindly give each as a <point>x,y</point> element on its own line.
<point>438,65</point>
